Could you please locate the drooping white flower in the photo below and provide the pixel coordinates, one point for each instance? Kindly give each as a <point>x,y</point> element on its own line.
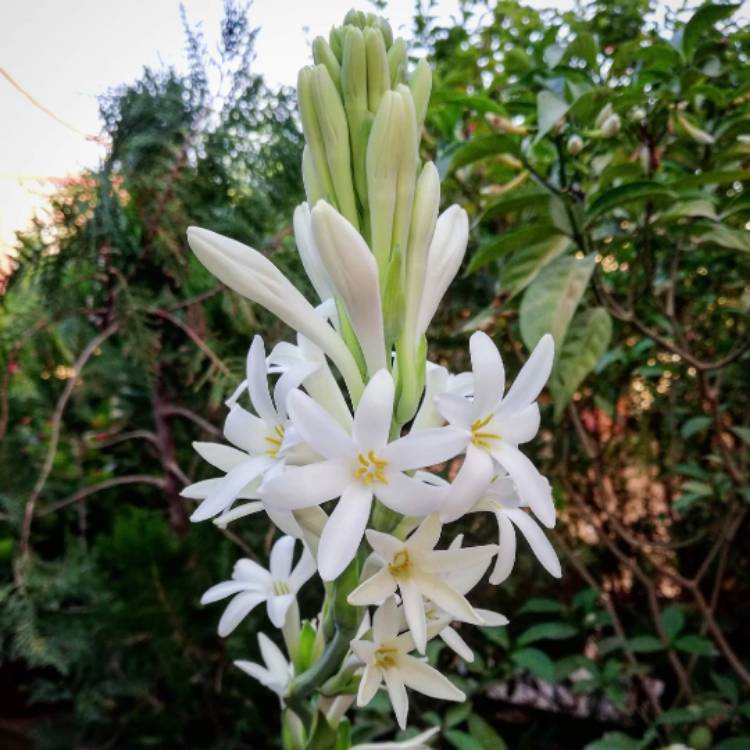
<point>418,742</point>
<point>419,571</point>
<point>356,467</point>
<point>252,584</point>
<point>277,672</point>
<point>259,439</point>
<point>386,658</point>
<point>251,274</point>
<point>494,426</point>
<point>502,499</point>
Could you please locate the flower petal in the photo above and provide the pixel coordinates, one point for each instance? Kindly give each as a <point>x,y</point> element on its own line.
<point>272,655</point>
<point>374,590</point>
<point>436,382</point>
<point>318,428</point>
<point>414,612</point>
<point>368,684</point>
<point>372,419</point>
<point>538,542</point>
<point>489,373</point>
<point>303,571</point>
<point>427,534</point>
<point>257,382</point>
<point>506,556</point>
<point>303,486</point>
<point>239,608</point>
<point>454,641</point>
<point>517,427</point>
<point>397,694</point>
<point>251,572</point>
<point>290,380</point>
<point>309,254</point>
<point>409,496</point>
<point>245,430</point>
<point>385,622</point>
<point>450,560</point>
<point>282,553</point>
<point>223,457</point>
<point>344,531</point>
<point>277,608</point>
<point>223,590</point>
<point>385,545</point>
<point>472,480</point>
<point>261,674</point>
<point>445,597</point>
<point>424,448</point>
<point>426,680</point>
<point>457,410</point>
<point>490,618</point>
<point>239,511</point>
<point>534,374</point>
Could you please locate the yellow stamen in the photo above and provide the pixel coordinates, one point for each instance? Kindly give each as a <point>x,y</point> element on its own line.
<point>280,588</point>
<point>481,438</point>
<point>385,657</point>
<point>371,468</point>
<point>401,564</point>
<point>275,441</point>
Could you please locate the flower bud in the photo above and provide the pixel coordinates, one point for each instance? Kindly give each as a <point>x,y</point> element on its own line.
<point>407,176</point>
<point>397,62</point>
<point>335,41</point>
<point>323,55</point>
<point>421,86</point>
<point>378,72</point>
<point>638,114</point>
<point>611,126</point>
<point>694,132</point>
<point>574,145</point>
<point>310,179</point>
<point>354,91</point>
<point>605,112</point>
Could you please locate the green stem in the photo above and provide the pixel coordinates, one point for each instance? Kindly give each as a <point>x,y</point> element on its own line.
<point>328,664</point>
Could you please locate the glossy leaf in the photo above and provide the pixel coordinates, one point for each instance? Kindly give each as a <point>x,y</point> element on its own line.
<point>701,22</point>
<point>510,241</point>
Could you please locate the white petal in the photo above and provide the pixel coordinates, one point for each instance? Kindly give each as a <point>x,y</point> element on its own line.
<point>518,427</point>
<point>397,694</point>
<point>284,521</point>
<point>324,389</point>
<point>489,373</point>
<point>445,597</point>
<point>223,590</point>
<point>232,485</point>
<point>531,486</point>
<point>414,612</point>
<point>534,374</point>
<point>245,430</point>
<point>384,544</point>
<point>303,486</point>
<point>538,542</point>
<point>454,641</point>
<point>344,531</point>
<point>424,448</point>
<point>363,650</point>
<point>273,657</point>
<point>385,622</point>
<point>282,553</point>
<point>257,382</point>
<point>239,511</point>
<point>278,607</point>
<point>426,535</point>
<point>506,556</point>
<point>352,268</point>
<point>409,496</point>
<point>470,483</point>
<point>436,382</point>
<point>448,560</point>
<point>318,428</point>
<point>490,618</point>
<point>309,254</point>
<point>457,410</point>
<point>290,380</point>
<point>201,490</point>
<point>261,674</point>
<point>223,457</point>
<point>465,579</point>
<point>374,590</point>
<point>368,684</point>
<point>372,419</point>
<point>251,572</point>
<point>426,680</point>
<point>236,611</point>
<point>284,356</point>
<point>303,571</point>
<point>417,742</point>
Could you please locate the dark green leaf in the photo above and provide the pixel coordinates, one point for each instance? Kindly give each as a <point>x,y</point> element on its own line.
<point>483,732</point>
<point>672,620</point>
<point>617,197</point>
<point>541,605</point>
<point>535,661</point>
<point>549,109</point>
<point>468,152</point>
<point>507,242</point>
<point>527,262</point>
<point>702,20</point>
<point>614,741</point>
<point>695,644</point>
<point>546,631</point>
<point>694,425</point>
<point>645,644</point>
<point>461,740</point>
<point>725,236</point>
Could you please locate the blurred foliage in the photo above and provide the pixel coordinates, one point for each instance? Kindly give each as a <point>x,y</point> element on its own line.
<point>604,158</point>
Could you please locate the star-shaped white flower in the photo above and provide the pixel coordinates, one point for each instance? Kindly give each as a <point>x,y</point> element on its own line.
<point>277,672</point>
<point>358,466</point>
<point>386,659</point>
<point>494,426</point>
<point>419,571</point>
<point>252,584</point>
<point>259,439</point>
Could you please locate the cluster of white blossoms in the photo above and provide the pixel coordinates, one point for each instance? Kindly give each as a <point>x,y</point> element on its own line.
<point>339,436</point>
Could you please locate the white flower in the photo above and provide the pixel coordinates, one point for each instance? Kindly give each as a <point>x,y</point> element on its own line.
<point>260,442</point>
<point>502,499</point>
<point>386,659</point>
<point>251,274</point>
<point>415,567</point>
<point>494,426</point>
<point>418,742</point>
<point>309,254</point>
<point>252,584</point>
<point>356,467</point>
<point>277,672</point>
<point>438,380</point>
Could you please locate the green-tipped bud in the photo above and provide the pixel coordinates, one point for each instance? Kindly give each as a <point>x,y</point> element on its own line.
<point>356,18</point>
<point>334,131</point>
<point>323,55</point>
<point>421,87</point>
<point>313,136</point>
<point>407,176</point>
<point>397,62</point>
<point>383,161</point>
<point>309,648</point>
<point>386,30</point>
<point>378,72</point>
<point>336,41</point>
<point>354,91</point>
<point>313,189</point>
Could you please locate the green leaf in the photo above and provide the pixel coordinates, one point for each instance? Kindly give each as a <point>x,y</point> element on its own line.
<point>526,263</point>
<point>645,644</point>
<point>547,631</point>
<point>614,741</point>
<point>672,620</point>
<point>517,200</point>
<point>617,197</point>
<point>461,740</point>
<point>535,661</point>
<point>694,425</point>
<point>549,303</point>
<point>541,605</point>
<point>508,242</point>
<point>700,208</point>
<point>549,109</point>
<point>686,715</point>
<point>702,20</point>
<point>584,46</point>
<point>483,732</point>
<point>467,152</point>
<point>743,433</point>
<point>695,644</point>
<point>714,177</point>
<point>725,236</point>
<point>585,344</point>
<point>457,714</point>
<point>734,743</point>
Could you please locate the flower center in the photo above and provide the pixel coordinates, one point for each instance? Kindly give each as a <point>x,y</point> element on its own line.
<point>371,469</point>
<point>274,441</point>
<point>385,657</point>
<point>280,588</point>
<point>480,437</point>
<point>400,566</point>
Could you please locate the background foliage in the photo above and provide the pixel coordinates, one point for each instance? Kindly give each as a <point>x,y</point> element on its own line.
<point>627,239</point>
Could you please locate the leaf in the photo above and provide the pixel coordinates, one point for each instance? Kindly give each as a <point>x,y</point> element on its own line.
<point>483,732</point>
<point>549,109</point>
<point>725,236</point>
<point>458,713</point>
<point>734,743</point>
<point>527,262</point>
<point>701,21</point>
<point>743,433</point>
<point>585,344</point>
<point>617,197</point>
<point>695,644</point>
<point>547,631</point>
<point>713,177</point>
<point>672,620</point>
<point>507,242</point>
<point>535,661</point>
<point>461,740</point>
<point>645,644</point>
<point>541,605</point>
<point>467,152</point>
<point>549,303</point>
<point>614,741</point>
<point>518,200</point>
<point>584,46</point>
<point>694,425</point>
<point>700,207</point>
